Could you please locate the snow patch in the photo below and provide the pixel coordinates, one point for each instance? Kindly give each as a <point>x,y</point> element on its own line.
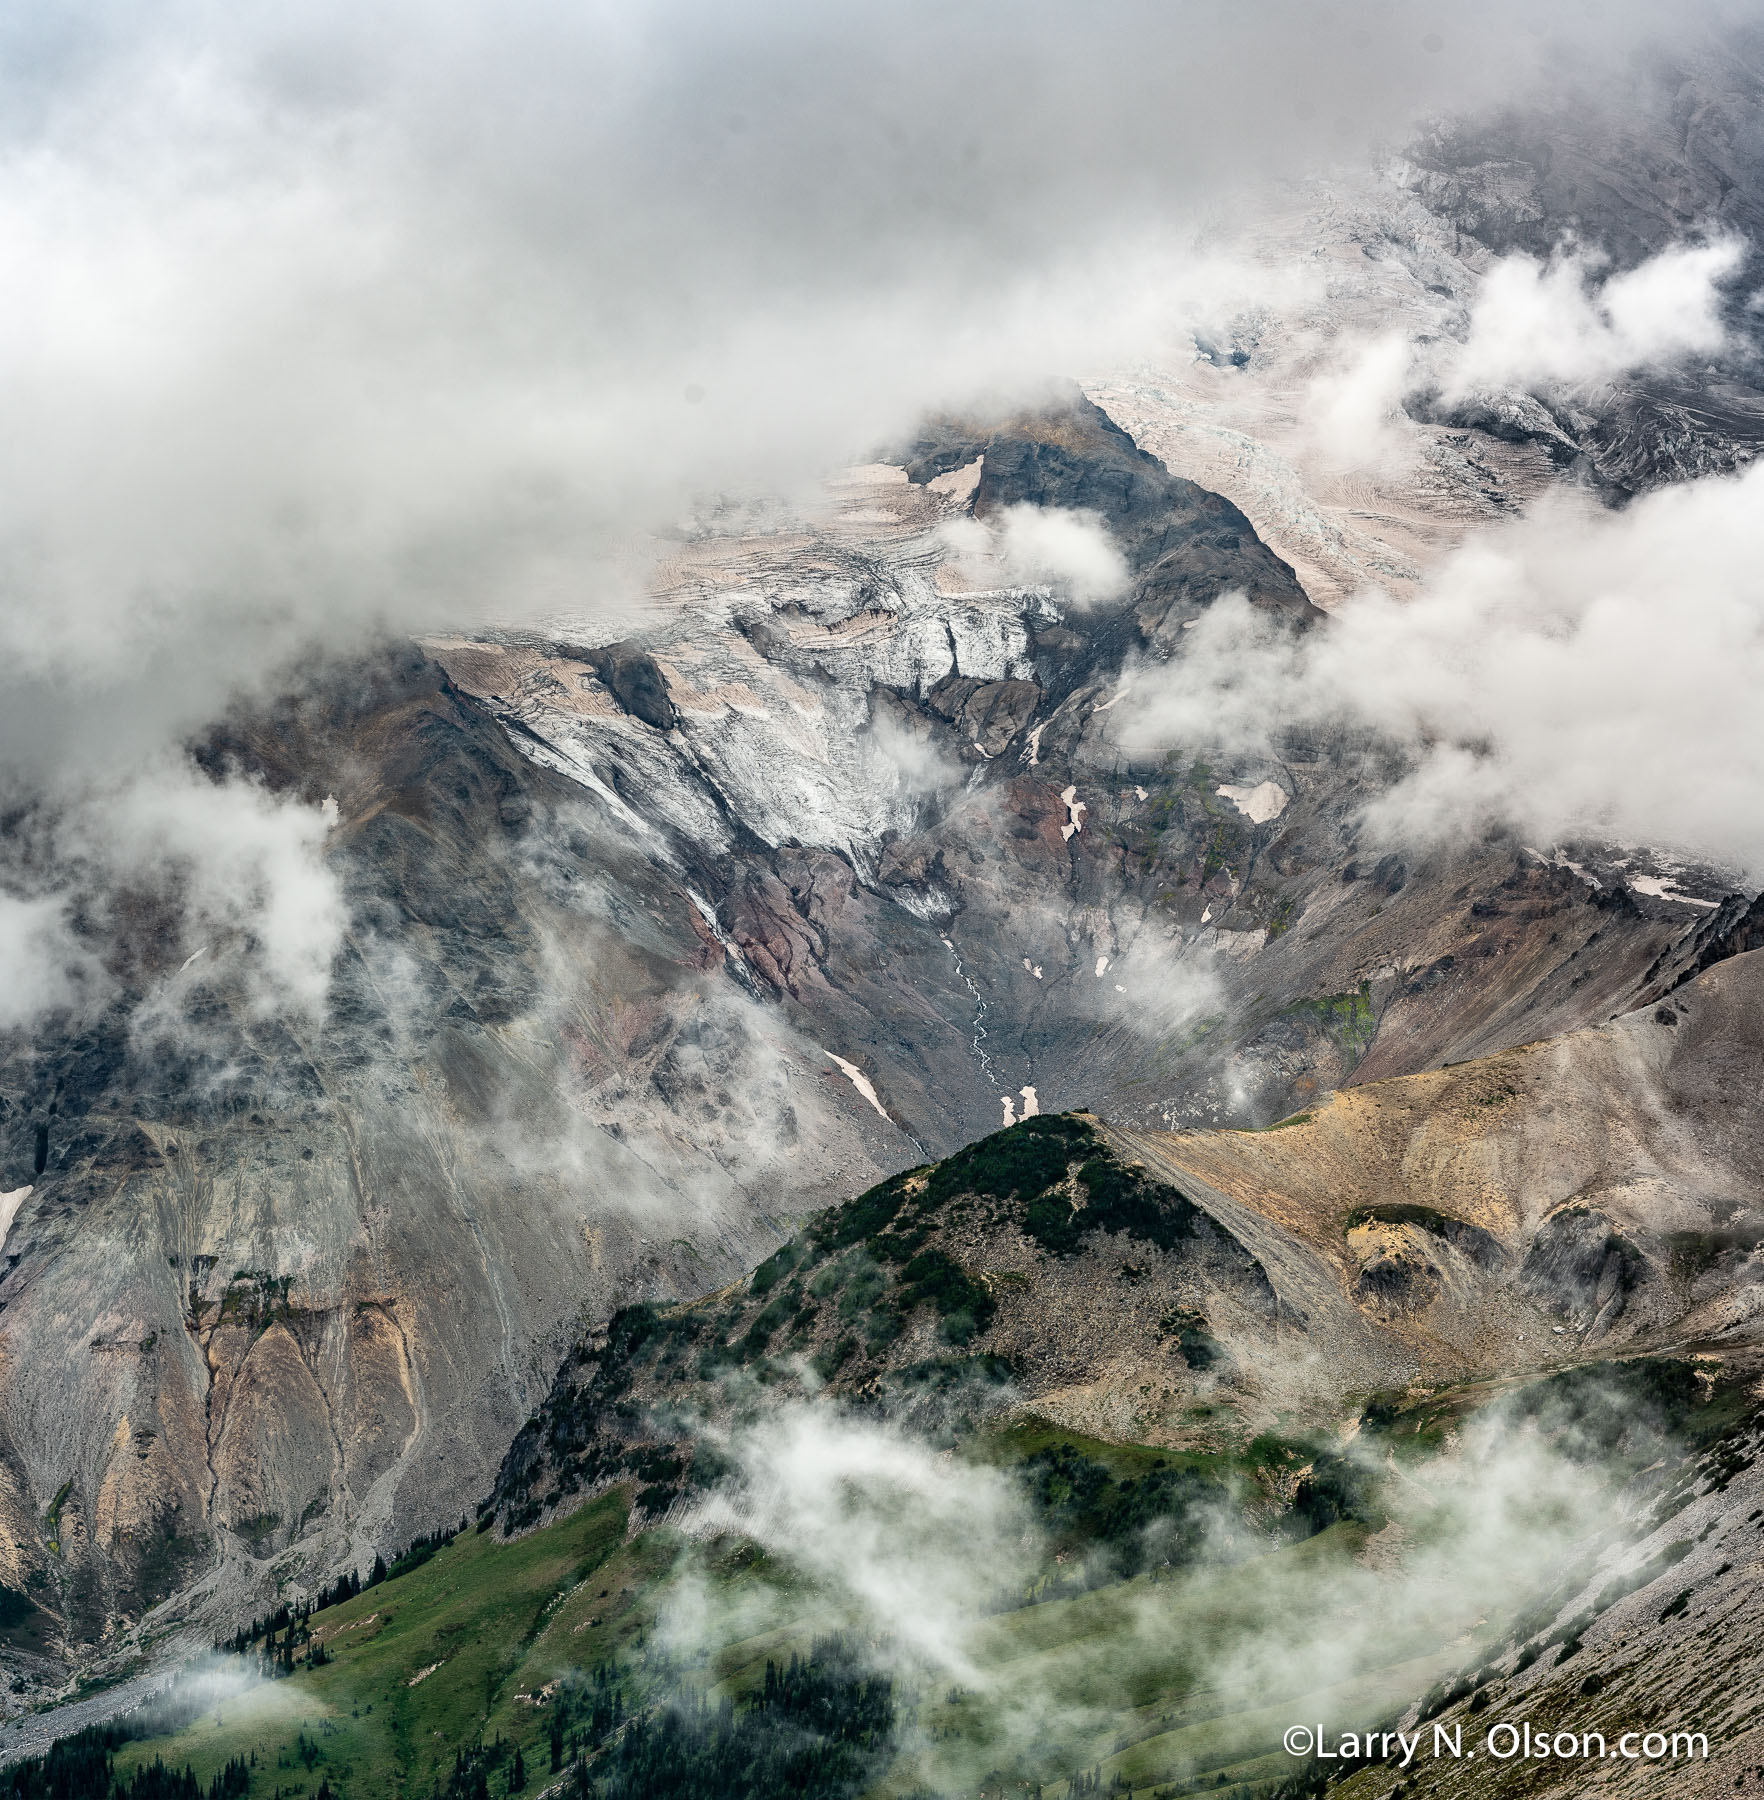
<point>1031,1105</point>
<point>1032,751</point>
<point>9,1205</point>
<point>957,484</point>
<point>861,1082</point>
<point>1561,860</point>
<point>1657,887</point>
<point>1074,806</point>
<point>875,474</point>
<point>1265,801</point>
<point>1102,963</point>
<point>708,914</point>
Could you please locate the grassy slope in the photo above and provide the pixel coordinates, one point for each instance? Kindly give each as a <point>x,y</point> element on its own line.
<point>490,1621</point>
<point>493,1621</point>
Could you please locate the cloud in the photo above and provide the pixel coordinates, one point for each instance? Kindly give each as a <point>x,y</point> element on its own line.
<point>1482,1529</point>
<point>1531,326</point>
<point>249,870</point>
<point>1159,986</point>
<point>1353,409</point>
<point>1068,549</point>
<point>914,1544</point>
<point>1536,324</point>
<point>317,323</point>
<point>906,754</point>
<point>42,967</point>
<point>1579,672</point>
<point>923,1553</point>
<point>234,877</point>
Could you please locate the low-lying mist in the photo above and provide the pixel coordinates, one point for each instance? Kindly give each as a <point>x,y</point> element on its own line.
<point>1296,1575</point>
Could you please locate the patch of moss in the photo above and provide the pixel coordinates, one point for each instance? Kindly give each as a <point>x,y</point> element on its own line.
<point>52,1518</point>
<point>1350,1019</point>
<point>1297,1118</point>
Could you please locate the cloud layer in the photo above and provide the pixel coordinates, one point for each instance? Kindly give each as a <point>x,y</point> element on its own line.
<point>1536,324</point>
<point>317,320</point>
<point>1581,672</point>
<point>1532,327</point>
<point>238,877</point>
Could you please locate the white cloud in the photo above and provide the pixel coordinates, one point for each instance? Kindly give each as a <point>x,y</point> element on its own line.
<point>1068,549</point>
<point>913,1544</point>
<point>316,320</point>
<point>1535,324</point>
<point>240,870</point>
<point>1579,672</point>
<point>1156,985</point>
<point>1532,326</point>
<point>246,865</point>
<point>907,756</point>
<point>1353,409</point>
<point>41,966</point>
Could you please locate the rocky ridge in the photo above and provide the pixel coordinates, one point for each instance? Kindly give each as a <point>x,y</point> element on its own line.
<point>1562,1202</point>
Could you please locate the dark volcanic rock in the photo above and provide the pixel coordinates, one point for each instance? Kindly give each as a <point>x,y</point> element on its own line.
<point>1580,1265</point>
<point>1184,545</point>
<point>637,683</point>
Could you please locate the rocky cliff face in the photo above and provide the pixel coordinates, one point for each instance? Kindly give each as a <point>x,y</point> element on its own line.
<point>275,1297</point>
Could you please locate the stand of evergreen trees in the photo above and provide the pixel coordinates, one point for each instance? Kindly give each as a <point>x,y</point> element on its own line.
<point>473,1769</point>
<point>290,1622</point>
<point>819,1729</point>
<point>83,1767</point>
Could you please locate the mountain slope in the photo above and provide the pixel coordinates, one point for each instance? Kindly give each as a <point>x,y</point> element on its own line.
<point>657,945</point>
<point>1189,1289</point>
<point>1455,1550</point>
